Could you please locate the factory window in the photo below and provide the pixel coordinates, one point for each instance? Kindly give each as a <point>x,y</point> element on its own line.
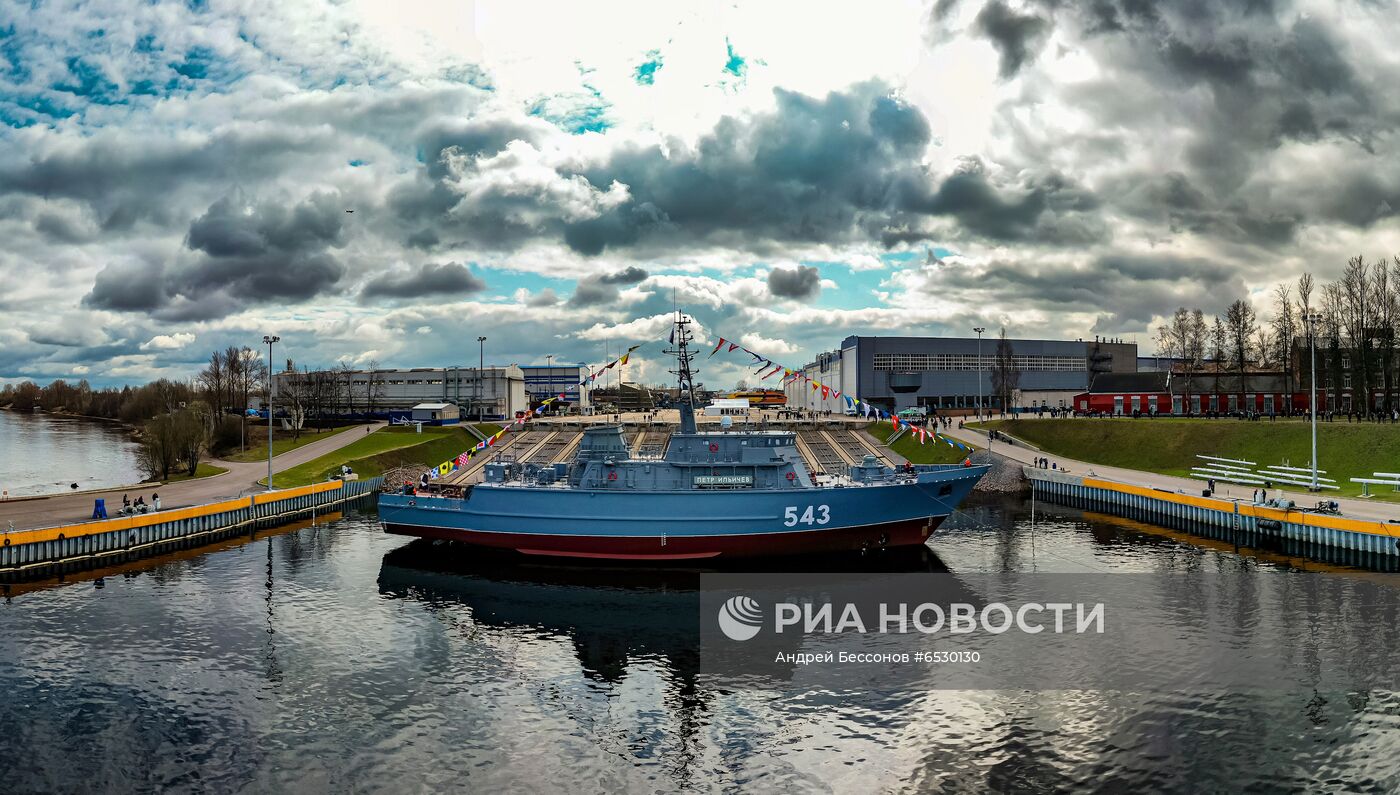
<point>922,362</point>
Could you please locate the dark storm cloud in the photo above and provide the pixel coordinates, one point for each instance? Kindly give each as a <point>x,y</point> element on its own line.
<point>1270,77</point>
<point>1017,37</point>
<point>237,256</point>
<point>802,283</point>
<point>132,286</point>
<point>602,290</point>
<point>630,275</point>
<point>1040,210</point>
<point>1126,290</point>
<point>1172,201</point>
<point>427,197</point>
<point>543,298</point>
<point>592,293</point>
<point>816,170</point>
<point>446,279</point>
<point>125,178</point>
<point>482,136</point>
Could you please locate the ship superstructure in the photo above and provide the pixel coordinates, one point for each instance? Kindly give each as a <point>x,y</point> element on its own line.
<point>711,494</point>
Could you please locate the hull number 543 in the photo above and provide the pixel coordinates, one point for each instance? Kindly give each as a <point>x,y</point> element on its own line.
<point>814,515</point>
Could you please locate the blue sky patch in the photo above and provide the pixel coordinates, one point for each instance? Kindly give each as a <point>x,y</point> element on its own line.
<point>645,74</point>
<point>26,111</point>
<point>88,81</point>
<point>735,65</point>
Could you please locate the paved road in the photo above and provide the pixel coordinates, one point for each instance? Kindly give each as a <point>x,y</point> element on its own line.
<point>1352,507</point>
<point>241,478</point>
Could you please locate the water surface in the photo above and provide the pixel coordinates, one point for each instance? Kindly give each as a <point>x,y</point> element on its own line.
<point>338,658</point>
<point>47,453</point>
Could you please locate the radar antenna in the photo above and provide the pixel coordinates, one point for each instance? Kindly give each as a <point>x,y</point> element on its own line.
<point>685,381</point>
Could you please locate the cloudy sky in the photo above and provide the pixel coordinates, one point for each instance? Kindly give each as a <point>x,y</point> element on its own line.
<point>175,177</point>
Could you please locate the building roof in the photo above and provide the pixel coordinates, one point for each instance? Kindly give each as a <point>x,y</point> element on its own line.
<point>1142,382</point>
<point>1230,382</point>
<point>431,406</point>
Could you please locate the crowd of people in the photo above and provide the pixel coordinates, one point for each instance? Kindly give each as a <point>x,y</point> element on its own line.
<point>140,505</point>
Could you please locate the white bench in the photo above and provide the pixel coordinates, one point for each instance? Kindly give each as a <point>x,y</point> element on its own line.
<point>1302,482</point>
<point>1248,481</point>
<point>1306,475</point>
<point>1226,460</point>
<point>1295,469</point>
<point>1224,472</point>
<point>1366,484</point>
<point>1226,468</point>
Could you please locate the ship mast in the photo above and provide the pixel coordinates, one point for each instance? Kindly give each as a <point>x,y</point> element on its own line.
<point>685,382</point>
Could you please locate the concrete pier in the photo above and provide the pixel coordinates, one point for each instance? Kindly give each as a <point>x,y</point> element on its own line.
<point>1327,537</point>
<point>46,551</point>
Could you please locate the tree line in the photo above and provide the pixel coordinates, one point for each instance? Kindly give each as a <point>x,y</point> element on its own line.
<point>1355,323</point>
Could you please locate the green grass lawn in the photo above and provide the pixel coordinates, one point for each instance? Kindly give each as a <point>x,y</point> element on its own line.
<point>383,450</point>
<point>201,471</point>
<point>909,447</point>
<point>282,444</point>
<point>487,429</point>
<point>1170,446</point>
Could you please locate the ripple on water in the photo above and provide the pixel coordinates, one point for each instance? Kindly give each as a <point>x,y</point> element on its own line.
<point>318,660</point>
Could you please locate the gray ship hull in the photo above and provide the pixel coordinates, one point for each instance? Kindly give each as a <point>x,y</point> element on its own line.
<point>686,524</point>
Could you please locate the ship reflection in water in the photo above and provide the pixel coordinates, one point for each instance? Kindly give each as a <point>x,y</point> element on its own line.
<point>335,658</point>
<point>609,614</point>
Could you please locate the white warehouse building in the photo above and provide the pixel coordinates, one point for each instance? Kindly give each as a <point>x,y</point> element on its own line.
<point>494,392</point>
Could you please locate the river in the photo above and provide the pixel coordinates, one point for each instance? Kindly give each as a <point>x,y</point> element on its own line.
<point>336,658</point>
<point>47,453</point>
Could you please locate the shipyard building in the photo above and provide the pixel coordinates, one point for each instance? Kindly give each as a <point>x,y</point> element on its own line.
<point>552,380</point>
<point>493,392</point>
<point>949,373</point>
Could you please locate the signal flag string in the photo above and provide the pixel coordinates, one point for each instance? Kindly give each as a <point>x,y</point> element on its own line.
<point>453,464</point>
<point>771,368</point>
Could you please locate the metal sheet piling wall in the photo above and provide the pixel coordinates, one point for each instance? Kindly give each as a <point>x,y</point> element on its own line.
<point>1331,538</point>
<point>26,554</point>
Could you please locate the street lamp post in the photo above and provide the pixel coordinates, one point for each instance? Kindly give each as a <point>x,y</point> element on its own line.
<point>1313,319</point>
<point>979,331</point>
<point>269,339</point>
<point>480,367</point>
<point>549,370</point>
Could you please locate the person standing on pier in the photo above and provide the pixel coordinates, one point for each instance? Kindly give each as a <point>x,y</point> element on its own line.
<point>155,501</point>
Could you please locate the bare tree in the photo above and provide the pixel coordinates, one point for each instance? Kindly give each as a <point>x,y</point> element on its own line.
<point>1264,347</point>
<point>1356,315</point>
<point>1006,378</point>
<point>1285,328</point>
<point>1305,308</point>
<point>160,447</point>
<point>374,386</point>
<point>1385,313</point>
<point>345,387</point>
<point>1332,331</point>
<point>212,380</point>
<point>1240,325</point>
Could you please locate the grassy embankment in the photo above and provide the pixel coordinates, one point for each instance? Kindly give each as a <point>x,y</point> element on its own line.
<point>383,450</point>
<point>909,447</point>
<point>257,450</point>
<point>201,471</point>
<point>1170,446</point>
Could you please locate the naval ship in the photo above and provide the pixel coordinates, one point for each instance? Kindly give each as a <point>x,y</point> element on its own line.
<point>712,494</point>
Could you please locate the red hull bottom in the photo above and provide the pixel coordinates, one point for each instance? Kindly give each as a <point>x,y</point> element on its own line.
<point>911,532</point>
